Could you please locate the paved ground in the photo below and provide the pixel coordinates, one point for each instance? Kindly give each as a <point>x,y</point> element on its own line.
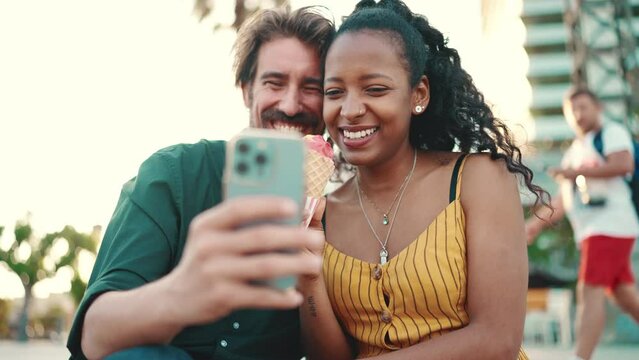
<point>602,353</point>
<point>45,350</point>
<point>32,350</point>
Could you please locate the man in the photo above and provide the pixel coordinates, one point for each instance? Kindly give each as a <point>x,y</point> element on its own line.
<point>174,266</point>
<point>594,194</point>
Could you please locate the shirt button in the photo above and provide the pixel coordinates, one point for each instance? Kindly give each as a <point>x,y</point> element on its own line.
<point>236,325</point>
<point>377,272</point>
<point>386,317</point>
<point>223,343</point>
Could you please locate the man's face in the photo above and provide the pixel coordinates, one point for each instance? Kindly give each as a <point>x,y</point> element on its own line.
<point>583,113</point>
<point>286,93</point>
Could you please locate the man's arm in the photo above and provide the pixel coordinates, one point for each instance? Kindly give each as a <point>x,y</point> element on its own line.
<point>212,279</point>
<point>619,163</point>
<point>122,319</point>
<point>544,217</point>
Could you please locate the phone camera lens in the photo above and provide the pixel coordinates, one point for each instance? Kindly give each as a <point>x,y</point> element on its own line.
<point>241,168</point>
<point>260,159</point>
<point>243,148</point>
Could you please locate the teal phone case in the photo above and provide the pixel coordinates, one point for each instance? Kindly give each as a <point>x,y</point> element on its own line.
<point>267,162</point>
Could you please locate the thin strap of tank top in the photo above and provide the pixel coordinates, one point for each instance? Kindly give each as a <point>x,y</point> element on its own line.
<point>324,215</point>
<point>455,180</point>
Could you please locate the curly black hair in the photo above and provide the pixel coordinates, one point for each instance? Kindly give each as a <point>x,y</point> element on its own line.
<point>457,114</point>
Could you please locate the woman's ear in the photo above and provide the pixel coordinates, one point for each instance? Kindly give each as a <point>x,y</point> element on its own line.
<point>421,96</point>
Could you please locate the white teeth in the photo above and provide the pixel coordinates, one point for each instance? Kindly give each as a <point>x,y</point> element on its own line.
<point>354,135</point>
<point>287,127</point>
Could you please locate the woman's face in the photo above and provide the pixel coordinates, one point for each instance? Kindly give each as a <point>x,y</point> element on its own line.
<point>368,100</point>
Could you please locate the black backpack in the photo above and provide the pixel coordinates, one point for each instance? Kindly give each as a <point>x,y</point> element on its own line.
<point>633,182</point>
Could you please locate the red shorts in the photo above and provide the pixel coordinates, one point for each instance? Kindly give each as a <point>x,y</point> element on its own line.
<point>605,261</point>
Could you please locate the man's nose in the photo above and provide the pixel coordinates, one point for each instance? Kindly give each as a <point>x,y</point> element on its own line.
<point>290,103</point>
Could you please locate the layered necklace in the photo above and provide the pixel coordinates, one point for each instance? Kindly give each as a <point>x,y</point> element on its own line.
<point>383,253</point>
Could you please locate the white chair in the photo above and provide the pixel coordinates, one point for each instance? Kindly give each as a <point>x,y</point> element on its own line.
<point>538,327</point>
<point>560,306</point>
<point>548,319</point>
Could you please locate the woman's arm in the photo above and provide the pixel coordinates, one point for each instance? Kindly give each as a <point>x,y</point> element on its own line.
<point>497,270</point>
<point>322,335</point>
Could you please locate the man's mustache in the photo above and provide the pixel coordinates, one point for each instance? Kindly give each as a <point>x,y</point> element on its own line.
<point>302,118</point>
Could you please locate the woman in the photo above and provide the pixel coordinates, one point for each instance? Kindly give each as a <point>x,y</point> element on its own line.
<point>426,252</point>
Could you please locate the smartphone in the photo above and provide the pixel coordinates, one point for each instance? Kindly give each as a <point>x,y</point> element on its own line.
<point>267,162</point>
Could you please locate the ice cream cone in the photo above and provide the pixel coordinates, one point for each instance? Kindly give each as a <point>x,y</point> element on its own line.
<point>319,168</point>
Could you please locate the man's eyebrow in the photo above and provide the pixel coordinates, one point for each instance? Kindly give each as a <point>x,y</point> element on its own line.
<point>273,74</point>
<point>280,75</point>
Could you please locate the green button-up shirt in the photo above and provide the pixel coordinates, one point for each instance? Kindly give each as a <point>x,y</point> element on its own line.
<point>146,237</point>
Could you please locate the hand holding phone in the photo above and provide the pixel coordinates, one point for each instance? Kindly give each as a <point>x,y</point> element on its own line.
<point>267,162</point>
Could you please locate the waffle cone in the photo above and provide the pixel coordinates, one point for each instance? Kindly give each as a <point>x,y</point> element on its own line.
<point>318,170</point>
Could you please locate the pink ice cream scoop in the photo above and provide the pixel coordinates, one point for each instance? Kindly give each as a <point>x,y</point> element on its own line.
<point>318,144</point>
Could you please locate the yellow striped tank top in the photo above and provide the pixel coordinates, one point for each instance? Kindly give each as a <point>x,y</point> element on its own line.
<point>417,295</point>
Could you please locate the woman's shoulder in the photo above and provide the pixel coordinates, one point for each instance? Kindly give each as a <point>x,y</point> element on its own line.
<point>472,162</point>
<point>483,164</point>
<point>482,173</point>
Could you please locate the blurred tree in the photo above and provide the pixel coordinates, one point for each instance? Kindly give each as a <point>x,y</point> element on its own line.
<point>35,258</point>
<point>243,9</point>
<point>83,243</point>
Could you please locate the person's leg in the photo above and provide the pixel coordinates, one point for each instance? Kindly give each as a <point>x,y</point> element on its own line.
<point>591,318</point>
<point>596,275</point>
<point>627,297</point>
<point>150,352</point>
<point>624,291</point>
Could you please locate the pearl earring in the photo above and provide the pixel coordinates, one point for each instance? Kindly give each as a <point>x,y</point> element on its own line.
<point>419,109</point>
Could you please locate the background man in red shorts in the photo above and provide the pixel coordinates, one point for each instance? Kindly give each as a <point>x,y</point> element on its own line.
<point>594,195</point>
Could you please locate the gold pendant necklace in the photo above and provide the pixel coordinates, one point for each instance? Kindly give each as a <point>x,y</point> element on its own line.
<point>383,253</point>
<point>385,219</point>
